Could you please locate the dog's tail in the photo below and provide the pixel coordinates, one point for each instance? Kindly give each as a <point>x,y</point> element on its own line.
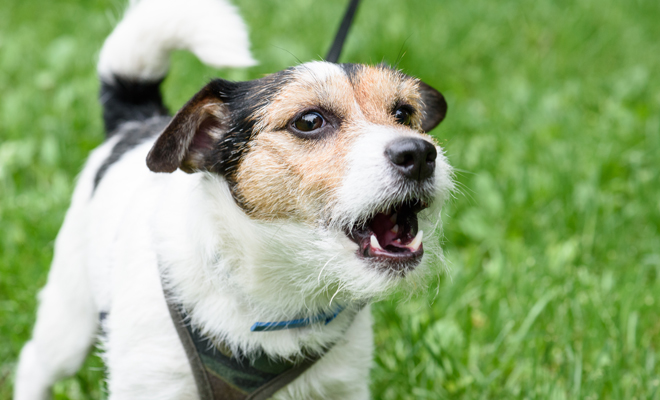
<point>135,57</point>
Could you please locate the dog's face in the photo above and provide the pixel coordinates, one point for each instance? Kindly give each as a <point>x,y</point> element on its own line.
<point>338,150</point>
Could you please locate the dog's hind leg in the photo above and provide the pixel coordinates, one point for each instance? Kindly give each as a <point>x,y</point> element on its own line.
<point>66,318</point>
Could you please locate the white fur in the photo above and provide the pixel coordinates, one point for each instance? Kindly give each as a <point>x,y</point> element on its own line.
<point>227,270</point>
<point>188,230</point>
<point>314,72</point>
<point>140,45</point>
<point>67,317</point>
<point>370,185</point>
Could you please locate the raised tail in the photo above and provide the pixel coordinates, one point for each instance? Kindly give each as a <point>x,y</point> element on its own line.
<point>135,57</point>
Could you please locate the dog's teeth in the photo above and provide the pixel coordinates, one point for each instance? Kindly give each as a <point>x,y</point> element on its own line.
<point>417,241</point>
<point>395,229</point>
<point>393,218</point>
<point>374,243</point>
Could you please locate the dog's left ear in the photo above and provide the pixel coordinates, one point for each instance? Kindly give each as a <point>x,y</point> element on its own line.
<point>187,142</point>
<point>435,106</point>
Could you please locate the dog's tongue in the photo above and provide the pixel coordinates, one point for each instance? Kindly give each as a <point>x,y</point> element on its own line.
<point>382,225</point>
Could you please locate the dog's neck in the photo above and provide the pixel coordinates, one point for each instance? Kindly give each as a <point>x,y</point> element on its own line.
<point>206,253</point>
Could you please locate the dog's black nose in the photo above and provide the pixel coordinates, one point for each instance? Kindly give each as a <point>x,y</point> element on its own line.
<point>414,158</point>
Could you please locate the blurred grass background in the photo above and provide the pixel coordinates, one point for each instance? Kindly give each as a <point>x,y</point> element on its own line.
<point>554,128</point>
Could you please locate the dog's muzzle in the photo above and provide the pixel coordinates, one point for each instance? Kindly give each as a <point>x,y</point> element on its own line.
<point>392,238</point>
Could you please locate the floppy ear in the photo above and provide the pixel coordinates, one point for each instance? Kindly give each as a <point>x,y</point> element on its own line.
<point>189,139</point>
<point>435,106</point>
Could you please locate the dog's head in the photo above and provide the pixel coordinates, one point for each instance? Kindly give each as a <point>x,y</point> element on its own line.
<point>336,154</point>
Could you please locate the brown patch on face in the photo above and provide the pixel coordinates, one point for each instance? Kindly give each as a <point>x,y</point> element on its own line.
<point>286,176</point>
<point>379,89</point>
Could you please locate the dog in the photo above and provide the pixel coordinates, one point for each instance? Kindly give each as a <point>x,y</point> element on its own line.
<point>309,192</point>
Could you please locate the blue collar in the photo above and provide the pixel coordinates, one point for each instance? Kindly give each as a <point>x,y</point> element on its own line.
<point>296,323</point>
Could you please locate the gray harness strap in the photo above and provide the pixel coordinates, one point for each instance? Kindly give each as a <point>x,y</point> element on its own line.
<point>269,389</point>
<point>199,373</point>
<point>220,375</point>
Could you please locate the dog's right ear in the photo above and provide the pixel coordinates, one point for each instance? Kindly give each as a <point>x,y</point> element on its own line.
<point>188,141</point>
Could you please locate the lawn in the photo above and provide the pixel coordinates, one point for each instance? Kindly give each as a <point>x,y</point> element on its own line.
<point>553,241</point>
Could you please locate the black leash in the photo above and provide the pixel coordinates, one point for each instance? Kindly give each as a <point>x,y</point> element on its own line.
<point>340,37</point>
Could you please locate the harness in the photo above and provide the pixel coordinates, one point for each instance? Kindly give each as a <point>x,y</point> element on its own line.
<point>222,375</point>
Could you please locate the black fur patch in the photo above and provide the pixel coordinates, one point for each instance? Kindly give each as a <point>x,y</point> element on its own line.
<point>132,136</point>
<point>435,106</point>
<point>126,100</point>
<point>243,100</point>
<point>352,71</point>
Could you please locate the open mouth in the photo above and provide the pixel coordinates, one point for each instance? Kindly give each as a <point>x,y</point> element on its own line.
<point>392,236</point>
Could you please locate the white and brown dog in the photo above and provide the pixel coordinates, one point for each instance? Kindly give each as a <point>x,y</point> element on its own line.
<point>276,199</point>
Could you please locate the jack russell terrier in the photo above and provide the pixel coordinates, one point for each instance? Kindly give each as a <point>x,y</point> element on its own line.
<point>267,216</point>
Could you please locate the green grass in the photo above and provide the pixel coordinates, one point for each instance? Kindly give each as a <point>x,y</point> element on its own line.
<point>554,128</point>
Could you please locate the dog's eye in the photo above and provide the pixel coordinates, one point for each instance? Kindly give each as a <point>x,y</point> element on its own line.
<point>308,122</point>
<point>403,115</point>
